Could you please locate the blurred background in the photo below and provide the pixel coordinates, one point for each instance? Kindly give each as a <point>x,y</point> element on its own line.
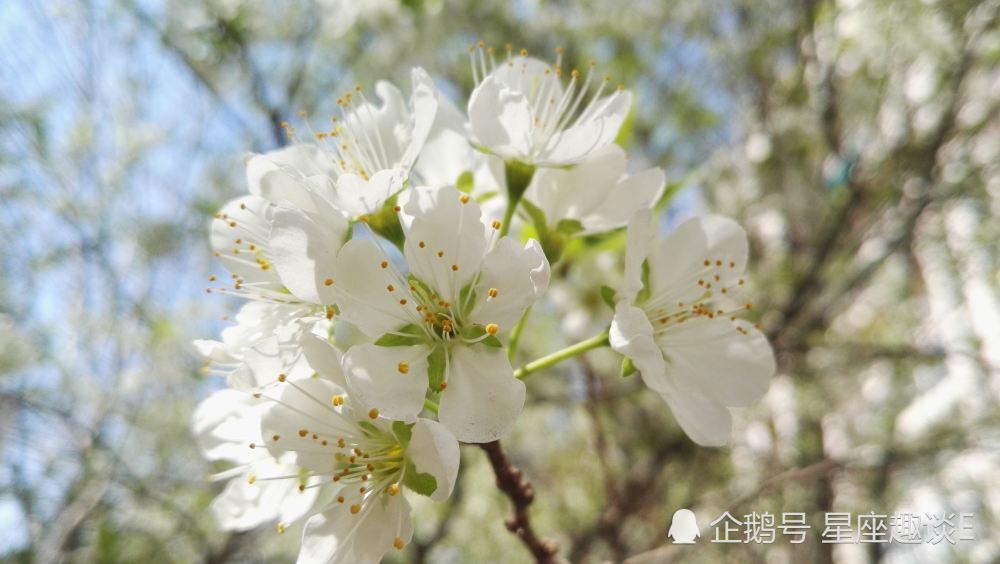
<point>858,141</point>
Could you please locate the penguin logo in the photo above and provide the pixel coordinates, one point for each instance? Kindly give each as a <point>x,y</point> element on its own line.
<point>683,527</point>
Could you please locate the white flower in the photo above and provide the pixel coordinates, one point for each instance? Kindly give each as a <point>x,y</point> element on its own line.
<point>521,111</point>
<point>267,339</point>
<point>364,460</point>
<point>355,167</point>
<point>462,287</point>
<point>227,426</point>
<point>596,193</point>
<point>677,320</point>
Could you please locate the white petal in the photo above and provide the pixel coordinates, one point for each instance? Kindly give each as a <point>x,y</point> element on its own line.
<point>705,421</point>
<point>434,450</point>
<point>424,106</point>
<point>639,191</point>
<point>243,506</point>
<point>453,238</point>
<point>632,335</point>
<point>699,249</point>
<point>324,359</point>
<point>392,379</point>
<point>713,358</point>
<point>638,240</point>
<point>225,423</point>
<point>304,406</point>
<point>214,351</point>
<point>595,132</point>
<point>501,119</point>
<point>304,252</point>
<point>262,363</point>
<point>483,398</point>
<point>336,536</point>
<point>363,293</point>
<point>359,196</point>
<point>525,75</point>
<point>519,275</point>
<point>246,220</point>
<point>579,191</point>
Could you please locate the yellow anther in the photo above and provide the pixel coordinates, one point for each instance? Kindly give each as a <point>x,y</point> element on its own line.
<point>398,543</point>
<point>373,413</point>
<point>355,509</point>
<point>384,264</point>
<point>492,328</point>
<point>328,282</point>
<point>524,52</point>
<point>464,198</point>
<point>496,224</point>
<point>340,499</point>
<point>403,367</point>
<point>390,288</point>
<point>454,268</point>
<point>282,377</point>
<point>281,528</point>
<point>251,479</point>
<point>493,292</point>
<point>303,433</point>
<point>443,386</point>
<point>393,489</point>
<point>275,437</point>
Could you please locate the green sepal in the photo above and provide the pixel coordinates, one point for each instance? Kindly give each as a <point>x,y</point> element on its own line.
<point>385,222</point>
<point>403,432</point>
<point>569,227</point>
<point>413,336</point>
<point>608,295</point>
<point>436,362</point>
<point>628,367</point>
<point>518,176</point>
<point>419,482</point>
<point>644,292</point>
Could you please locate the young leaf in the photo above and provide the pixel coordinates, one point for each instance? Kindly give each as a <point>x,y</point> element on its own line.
<point>423,484</point>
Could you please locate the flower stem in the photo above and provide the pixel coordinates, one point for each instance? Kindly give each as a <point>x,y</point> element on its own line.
<point>508,216</point>
<point>515,335</point>
<point>431,405</point>
<point>546,361</point>
<point>518,176</point>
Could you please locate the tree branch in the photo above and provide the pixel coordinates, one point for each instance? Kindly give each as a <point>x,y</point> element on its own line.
<point>511,481</point>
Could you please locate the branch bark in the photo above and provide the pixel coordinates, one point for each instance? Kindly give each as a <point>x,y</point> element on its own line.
<point>511,481</point>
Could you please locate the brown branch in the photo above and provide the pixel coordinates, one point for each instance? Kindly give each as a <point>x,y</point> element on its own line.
<point>511,481</point>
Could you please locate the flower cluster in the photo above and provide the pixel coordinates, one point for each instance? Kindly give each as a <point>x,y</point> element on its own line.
<point>384,282</point>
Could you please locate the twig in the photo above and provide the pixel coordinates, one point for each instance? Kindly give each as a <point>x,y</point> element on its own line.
<point>511,481</point>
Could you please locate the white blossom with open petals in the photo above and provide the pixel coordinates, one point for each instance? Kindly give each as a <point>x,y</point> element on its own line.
<point>364,461</point>
<point>358,165</point>
<point>597,192</point>
<point>677,319</point>
<point>227,427</point>
<point>521,111</point>
<point>438,322</point>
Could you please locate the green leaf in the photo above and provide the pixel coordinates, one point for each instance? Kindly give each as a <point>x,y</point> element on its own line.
<point>410,336</point>
<point>403,432</point>
<point>423,484</point>
<point>465,182</point>
<point>628,367</point>
<point>435,367</point>
<point>608,295</point>
<point>569,226</point>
